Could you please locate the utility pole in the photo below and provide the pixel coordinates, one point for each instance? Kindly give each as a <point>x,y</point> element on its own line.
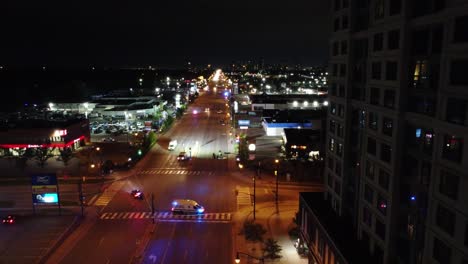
<point>276,175</point>
<point>254,197</point>
<point>152,206</point>
<point>81,197</point>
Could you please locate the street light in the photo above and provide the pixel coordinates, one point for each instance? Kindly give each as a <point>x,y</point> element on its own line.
<point>238,254</point>
<point>276,174</point>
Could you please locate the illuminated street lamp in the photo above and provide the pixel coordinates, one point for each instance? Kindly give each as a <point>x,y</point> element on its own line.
<point>238,254</point>
<point>252,147</point>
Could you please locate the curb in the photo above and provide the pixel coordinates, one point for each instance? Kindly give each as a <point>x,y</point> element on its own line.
<point>60,240</point>
<point>141,249</point>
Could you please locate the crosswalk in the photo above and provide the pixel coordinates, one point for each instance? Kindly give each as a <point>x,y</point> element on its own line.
<point>168,216</point>
<point>243,196</point>
<point>109,193</point>
<point>175,171</point>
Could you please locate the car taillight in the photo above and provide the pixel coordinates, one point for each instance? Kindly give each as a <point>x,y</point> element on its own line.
<point>11,221</point>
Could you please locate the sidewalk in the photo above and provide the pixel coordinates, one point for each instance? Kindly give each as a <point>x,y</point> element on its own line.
<point>277,221</point>
<point>277,226</point>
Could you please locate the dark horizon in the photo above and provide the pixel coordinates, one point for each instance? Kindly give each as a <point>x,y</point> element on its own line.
<point>164,34</point>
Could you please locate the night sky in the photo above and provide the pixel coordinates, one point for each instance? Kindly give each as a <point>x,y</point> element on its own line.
<point>163,33</point>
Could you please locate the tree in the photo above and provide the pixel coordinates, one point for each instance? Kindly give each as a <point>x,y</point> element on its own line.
<point>243,148</point>
<point>253,231</point>
<point>66,155</point>
<point>271,249</point>
<point>41,155</point>
<point>24,155</point>
<point>149,140</point>
<point>180,111</point>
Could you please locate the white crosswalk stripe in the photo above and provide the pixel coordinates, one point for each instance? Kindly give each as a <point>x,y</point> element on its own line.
<point>208,173</point>
<point>167,216</point>
<point>109,193</point>
<point>243,196</point>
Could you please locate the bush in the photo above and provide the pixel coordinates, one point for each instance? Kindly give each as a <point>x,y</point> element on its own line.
<point>272,249</point>
<point>294,233</point>
<point>253,231</point>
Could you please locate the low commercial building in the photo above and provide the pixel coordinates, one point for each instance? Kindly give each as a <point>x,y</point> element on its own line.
<point>274,122</point>
<point>303,144</point>
<point>42,133</point>
<point>288,101</point>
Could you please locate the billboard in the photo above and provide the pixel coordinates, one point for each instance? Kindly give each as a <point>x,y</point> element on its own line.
<point>44,189</point>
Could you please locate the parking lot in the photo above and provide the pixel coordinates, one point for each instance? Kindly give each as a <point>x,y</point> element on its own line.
<point>117,130</point>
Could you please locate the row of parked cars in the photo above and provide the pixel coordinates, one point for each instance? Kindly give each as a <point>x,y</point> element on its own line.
<point>115,128</point>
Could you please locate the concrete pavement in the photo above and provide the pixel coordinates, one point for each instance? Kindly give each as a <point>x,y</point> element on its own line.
<point>277,221</point>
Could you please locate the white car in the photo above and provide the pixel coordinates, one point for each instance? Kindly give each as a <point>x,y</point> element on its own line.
<point>172,145</point>
<point>187,206</point>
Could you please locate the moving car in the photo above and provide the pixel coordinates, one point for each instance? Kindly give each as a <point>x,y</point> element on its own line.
<point>182,156</point>
<point>137,194</point>
<point>9,220</point>
<point>172,145</point>
<point>187,206</point>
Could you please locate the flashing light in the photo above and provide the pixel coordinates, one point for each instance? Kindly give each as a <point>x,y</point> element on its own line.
<point>413,198</point>
<point>174,204</point>
<point>200,210</point>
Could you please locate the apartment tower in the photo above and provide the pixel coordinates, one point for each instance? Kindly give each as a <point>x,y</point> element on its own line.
<point>397,161</point>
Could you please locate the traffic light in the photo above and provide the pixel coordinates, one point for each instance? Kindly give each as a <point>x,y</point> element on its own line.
<point>140,152</point>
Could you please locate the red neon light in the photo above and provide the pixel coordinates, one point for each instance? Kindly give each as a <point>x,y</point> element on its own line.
<point>52,145</point>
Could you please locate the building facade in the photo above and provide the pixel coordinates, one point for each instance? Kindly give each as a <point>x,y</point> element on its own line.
<point>396,161</point>
<point>44,134</point>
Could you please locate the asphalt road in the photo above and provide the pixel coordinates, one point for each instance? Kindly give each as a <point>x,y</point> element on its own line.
<point>120,230</point>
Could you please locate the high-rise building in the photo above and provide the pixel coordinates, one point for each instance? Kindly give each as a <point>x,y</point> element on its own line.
<point>397,162</point>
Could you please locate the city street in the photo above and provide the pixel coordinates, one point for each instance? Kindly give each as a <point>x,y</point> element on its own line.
<point>124,230</point>
<point>123,219</point>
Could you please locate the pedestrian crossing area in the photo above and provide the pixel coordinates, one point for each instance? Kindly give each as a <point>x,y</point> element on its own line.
<point>168,216</point>
<point>243,196</point>
<point>176,172</point>
<point>109,193</point>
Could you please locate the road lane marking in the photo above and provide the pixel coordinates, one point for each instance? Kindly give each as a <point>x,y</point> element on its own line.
<point>163,216</point>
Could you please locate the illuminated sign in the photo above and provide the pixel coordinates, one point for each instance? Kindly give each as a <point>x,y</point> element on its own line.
<point>60,133</point>
<point>44,189</point>
<point>244,122</point>
<point>45,198</point>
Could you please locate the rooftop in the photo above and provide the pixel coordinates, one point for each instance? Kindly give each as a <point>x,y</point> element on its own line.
<point>301,136</point>
<point>285,98</point>
<point>339,229</point>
